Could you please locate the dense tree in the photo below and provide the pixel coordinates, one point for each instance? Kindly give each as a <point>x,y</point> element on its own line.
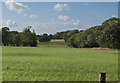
<point>5,34</point>
<point>106,35</point>
<point>14,38</point>
<point>28,38</point>
<point>65,34</point>
<point>59,35</point>
<point>110,36</point>
<point>34,39</point>
<point>17,40</point>
<point>51,36</point>
<point>70,33</point>
<point>71,41</point>
<point>44,38</point>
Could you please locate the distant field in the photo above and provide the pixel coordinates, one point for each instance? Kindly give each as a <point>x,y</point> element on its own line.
<point>54,43</point>
<point>58,64</point>
<point>57,40</point>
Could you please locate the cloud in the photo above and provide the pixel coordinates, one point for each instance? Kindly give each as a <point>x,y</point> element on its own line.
<point>77,23</point>
<point>11,23</point>
<point>8,23</point>
<point>11,5</point>
<point>63,18</point>
<point>25,15</point>
<point>45,27</point>
<point>53,27</point>
<point>114,15</point>
<point>53,19</point>
<point>33,16</point>
<point>65,23</point>
<point>61,7</point>
<point>70,20</point>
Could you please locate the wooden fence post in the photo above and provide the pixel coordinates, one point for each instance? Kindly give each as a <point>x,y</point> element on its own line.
<point>102,78</point>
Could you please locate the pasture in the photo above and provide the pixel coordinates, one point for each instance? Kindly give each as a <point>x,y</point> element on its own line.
<point>58,64</point>
<point>59,43</point>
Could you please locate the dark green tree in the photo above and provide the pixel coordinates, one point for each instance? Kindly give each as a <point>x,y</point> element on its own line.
<point>5,35</point>
<point>106,35</point>
<point>28,38</point>
<point>17,39</point>
<point>110,36</point>
<point>44,38</point>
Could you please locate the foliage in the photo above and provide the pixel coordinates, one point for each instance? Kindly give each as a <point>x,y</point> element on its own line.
<point>5,34</point>
<point>65,34</point>
<point>59,35</point>
<point>51,36</point>
<point>44,38</point>
<point>110,36</point>
<point>14,38</point>
<point>106,35</point>
<point>70,41</point>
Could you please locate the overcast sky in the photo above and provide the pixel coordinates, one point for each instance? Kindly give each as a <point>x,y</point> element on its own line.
<point>51,17</point>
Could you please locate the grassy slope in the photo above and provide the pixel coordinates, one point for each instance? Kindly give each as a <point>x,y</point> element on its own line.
<point>49,64</point>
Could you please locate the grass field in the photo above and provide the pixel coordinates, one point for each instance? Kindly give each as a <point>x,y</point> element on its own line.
<point>58,64</point>
<point>59,43</point>
<point>54,61</point>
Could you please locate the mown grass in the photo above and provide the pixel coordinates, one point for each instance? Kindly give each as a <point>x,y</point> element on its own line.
<point>59,43</point>
<point>58,64</point>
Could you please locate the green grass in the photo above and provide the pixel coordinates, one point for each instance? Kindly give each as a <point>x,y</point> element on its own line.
<point>54,43</point>
<point>58,64</point>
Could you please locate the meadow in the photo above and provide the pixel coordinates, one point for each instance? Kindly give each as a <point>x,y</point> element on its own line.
<point>58,63</point>
<point>59,43</point>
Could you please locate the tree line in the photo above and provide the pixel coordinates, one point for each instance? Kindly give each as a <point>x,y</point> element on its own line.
<point>28,38</point>
<point>15,38</point>
<point>106,35</point>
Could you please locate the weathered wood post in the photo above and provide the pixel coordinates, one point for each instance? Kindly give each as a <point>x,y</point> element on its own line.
<point>102,78</point>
